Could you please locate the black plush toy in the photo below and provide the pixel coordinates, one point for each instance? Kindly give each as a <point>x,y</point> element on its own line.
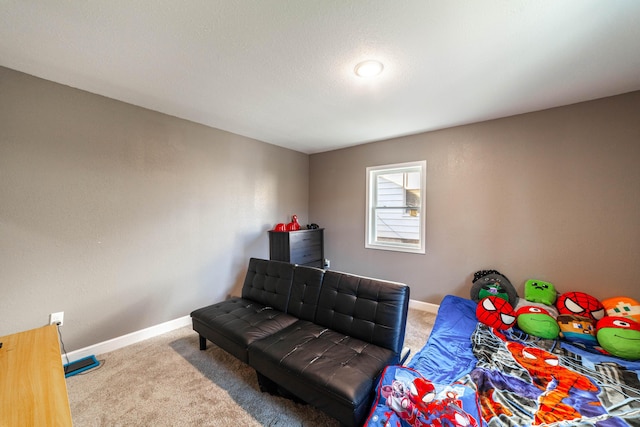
<point>493,283</point>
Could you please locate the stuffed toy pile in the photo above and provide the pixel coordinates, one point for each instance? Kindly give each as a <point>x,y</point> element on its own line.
<point>611,326</point>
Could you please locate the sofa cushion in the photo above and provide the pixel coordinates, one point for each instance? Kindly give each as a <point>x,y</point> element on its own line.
<point>235,323</point>
<point>268,283</point>
<point>307,282</point>
<point>369,309</point>
<point>330,370</point>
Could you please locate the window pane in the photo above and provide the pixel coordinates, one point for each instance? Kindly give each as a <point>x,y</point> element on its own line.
<point>413,180</point>
<point>395,226</point>
<point>389,190</point>
<point>395,206</point>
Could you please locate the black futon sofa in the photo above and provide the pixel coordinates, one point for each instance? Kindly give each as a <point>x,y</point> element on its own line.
<point>321,336</point>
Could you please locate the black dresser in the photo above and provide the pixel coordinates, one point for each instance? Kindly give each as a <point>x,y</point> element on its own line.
<point>303,247</point>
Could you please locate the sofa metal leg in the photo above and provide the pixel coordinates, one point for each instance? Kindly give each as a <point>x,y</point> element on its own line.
<point>203,343</point>
<point>266,385</point>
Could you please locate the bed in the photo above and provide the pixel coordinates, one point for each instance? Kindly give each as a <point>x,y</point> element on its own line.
<point>468,374</point>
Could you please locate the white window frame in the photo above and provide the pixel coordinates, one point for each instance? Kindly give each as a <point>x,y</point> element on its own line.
<point>371,234</point>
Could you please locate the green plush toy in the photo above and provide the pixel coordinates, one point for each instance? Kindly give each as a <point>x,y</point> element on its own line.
<point>537,321</point>
<point>619,336</point>
<point>539,291</point>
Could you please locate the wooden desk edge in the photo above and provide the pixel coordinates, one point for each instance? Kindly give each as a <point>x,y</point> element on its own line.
<point>32,382</point>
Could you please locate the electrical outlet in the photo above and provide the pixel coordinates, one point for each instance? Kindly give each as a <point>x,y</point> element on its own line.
<point>56,318</point>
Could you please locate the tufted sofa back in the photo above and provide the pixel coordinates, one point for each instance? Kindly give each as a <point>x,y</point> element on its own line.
<point>303,302</point>
<point>360,307</point>
<point>364,308</point>
<point>268,283</point>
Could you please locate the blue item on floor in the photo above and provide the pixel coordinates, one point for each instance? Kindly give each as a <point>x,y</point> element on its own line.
<point>80,365</point>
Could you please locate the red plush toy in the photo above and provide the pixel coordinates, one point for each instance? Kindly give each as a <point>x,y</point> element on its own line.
<point>580,304</point>
<point>495,312</point>
<point>293,225</point>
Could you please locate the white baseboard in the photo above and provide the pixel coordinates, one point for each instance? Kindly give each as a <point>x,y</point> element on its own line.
<point>128,339</point>
<point>424,306</point>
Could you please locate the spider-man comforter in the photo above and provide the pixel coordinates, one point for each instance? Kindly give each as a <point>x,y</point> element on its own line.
<point>481,378</point>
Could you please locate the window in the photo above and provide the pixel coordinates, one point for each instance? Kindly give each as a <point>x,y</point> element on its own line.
<point>396,207</point>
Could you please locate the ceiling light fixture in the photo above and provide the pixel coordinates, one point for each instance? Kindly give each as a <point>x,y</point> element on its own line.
<point>370,68</point>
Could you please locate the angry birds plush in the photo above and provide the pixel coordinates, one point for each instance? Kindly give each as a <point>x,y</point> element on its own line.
<point>577,329</point>
<point>619,336</point>
<point>491,283</point>
<point>539,291</point>
<point>495,312</point>
<point>537,321</point>
<point>580,304</point>
<point>622,306</point>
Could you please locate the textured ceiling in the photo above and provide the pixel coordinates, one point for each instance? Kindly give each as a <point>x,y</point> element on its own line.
<point>282,71</point>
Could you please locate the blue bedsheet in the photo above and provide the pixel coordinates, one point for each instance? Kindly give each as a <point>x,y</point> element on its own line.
<point>447,355</point>
<point>482,377</point>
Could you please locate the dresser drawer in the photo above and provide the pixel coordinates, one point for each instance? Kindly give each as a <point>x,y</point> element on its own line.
<point>306,254</point>
<point>303,247</point>
<point>304,239</point>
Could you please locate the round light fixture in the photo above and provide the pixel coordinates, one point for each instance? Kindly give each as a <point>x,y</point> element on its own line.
<point>370,68</point>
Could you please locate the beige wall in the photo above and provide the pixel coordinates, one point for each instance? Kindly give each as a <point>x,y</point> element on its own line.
<point>124,218</point>
<point>552,195</point>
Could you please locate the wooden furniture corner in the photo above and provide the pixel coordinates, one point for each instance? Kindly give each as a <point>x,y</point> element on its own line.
<point>32,383</point>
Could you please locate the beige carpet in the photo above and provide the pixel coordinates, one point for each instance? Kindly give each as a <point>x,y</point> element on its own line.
<point>168,381</point>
